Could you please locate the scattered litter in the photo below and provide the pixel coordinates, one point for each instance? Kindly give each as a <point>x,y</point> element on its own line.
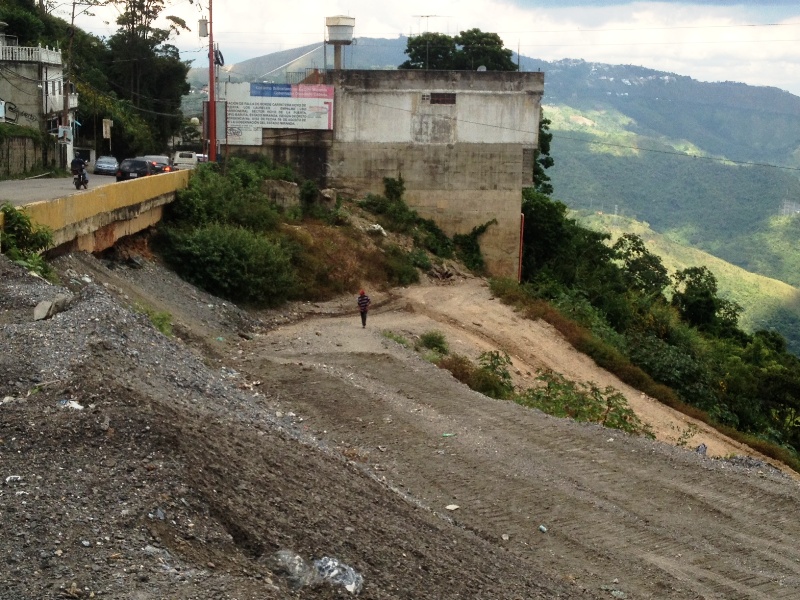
<point>542,528</point>
<point>701,449</point>
<point>610,440</point>
<point>13,478</point>
<point>70,404</point>
<point>324,570</point>
<point>505,537</point>
<point>448,435</point>
<point>452,507</point>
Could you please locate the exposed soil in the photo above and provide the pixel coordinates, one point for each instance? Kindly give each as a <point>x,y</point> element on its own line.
<point>187,462</point>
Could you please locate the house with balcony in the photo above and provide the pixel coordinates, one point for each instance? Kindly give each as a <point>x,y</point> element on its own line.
<point>33,92</point>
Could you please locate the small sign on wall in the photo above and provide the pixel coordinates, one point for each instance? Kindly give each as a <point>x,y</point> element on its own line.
<point>107,125</point>
<point>2,110</point>
<point>64,134</point>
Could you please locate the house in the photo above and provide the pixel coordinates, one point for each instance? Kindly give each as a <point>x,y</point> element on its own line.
<point>463,141</point>
<point>33,92</point>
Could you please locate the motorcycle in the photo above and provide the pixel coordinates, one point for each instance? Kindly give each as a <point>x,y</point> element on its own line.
<point>79,178</point>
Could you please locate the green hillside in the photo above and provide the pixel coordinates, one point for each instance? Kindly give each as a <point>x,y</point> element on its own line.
<point>767,303</point>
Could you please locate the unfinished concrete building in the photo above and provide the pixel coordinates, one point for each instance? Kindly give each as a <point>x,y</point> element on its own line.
<point>463,141</point>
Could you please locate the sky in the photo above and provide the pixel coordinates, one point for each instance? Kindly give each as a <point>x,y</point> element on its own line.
<point>757,42</point>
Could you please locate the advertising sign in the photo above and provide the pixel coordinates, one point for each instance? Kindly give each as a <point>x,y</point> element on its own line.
<point>107,125</point>
<point>64,134</point>
<point>255,106</point>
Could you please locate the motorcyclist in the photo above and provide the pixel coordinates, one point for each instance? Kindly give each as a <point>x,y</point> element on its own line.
<point>78,166</point>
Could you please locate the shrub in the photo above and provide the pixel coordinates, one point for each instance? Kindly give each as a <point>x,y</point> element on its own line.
<point>400,270</point>
<point>433,340</point>
<point>22,241</point>
<point>231,262</point>
<point>581,402</point>
<point>493,377</point>
<point>459,366</point>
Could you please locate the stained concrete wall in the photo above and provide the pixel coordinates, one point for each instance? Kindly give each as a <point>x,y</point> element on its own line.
<point>463,163</point>
<point>19,155</point>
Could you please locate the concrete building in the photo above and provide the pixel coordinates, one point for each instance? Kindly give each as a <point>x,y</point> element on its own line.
<point>32,89</point>
<point>463,142</point>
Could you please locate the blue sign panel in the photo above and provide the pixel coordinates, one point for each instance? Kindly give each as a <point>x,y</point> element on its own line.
<point>271,90</point>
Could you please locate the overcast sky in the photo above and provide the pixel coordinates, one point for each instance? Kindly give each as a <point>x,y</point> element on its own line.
<point>711,40</point>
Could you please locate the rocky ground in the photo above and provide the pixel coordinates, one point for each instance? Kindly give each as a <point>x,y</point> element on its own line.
<point>222,461</point>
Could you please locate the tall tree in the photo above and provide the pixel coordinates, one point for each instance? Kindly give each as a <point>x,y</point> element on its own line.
<point>430,51</point>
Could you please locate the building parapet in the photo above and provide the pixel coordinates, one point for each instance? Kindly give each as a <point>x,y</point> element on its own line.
<point>35,54</point>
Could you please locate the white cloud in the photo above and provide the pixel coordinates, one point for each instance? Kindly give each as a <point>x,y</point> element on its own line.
<point>709,43</point>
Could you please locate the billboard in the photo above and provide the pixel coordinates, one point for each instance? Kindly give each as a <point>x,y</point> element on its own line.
<point>255,106</point>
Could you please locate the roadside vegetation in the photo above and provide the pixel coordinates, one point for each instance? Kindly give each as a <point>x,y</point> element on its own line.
<point>225,234</point>
<point>669,335</point>
<point>553,394</point>
<point>23,242</point>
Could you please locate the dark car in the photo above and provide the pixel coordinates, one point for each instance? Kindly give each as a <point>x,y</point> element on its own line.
<point>106,165</point>
<point>161,163</point>
<point>133,168</point>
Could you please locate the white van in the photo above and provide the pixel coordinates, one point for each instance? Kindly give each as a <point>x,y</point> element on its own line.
<point>184,159</point>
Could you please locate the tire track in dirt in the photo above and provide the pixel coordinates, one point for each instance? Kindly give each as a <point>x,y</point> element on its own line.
<point>663,521</point>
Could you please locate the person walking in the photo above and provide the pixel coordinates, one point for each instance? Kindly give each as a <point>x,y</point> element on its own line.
<point>363,307</point>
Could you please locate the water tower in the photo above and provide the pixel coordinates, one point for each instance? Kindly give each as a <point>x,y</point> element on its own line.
<point>340,33</point>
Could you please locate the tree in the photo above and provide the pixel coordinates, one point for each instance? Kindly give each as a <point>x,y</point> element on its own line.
<point>467,51</point>
<point>430,51</point>
<point>642,270</point>
<point>695,297</point>
<point>477,48</point>
<point>542,159</point>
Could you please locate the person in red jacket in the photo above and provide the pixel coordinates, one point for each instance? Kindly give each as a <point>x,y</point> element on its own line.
<point>363,306</point>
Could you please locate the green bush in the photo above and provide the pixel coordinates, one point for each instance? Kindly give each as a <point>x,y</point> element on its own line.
<point>562,398</point>
<point>400,270</point>
<point>233,198</point>
<point>434,340</point>
<point>231,262</point>
<point>22,241</point>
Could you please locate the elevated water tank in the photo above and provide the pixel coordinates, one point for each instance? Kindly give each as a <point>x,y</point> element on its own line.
<point>340,29</point>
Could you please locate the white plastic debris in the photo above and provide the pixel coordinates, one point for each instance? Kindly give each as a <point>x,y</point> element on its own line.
<point>70,404</point>
<point>452,507</point>
<point>542,528</point>
<point>13,478</point>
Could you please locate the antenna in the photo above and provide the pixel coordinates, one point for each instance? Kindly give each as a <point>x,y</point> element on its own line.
<point>427,17</point>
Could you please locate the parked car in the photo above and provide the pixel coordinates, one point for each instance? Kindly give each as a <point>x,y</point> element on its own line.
<point>160,162</point>
<point>184,159</point>
<point>105,165</point>
<point>133,168</point>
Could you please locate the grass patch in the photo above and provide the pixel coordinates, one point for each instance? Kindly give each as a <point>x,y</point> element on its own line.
<point>396,337</point>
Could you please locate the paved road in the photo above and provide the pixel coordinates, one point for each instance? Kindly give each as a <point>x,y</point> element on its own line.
<point>26,191</point>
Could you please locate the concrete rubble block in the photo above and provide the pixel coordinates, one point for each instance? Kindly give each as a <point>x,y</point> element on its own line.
<point>49,308</point>
<point>282,193</point>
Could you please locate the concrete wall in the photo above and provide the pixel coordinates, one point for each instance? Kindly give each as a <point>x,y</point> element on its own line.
<point>19,155</point>
<point>18,87</point>
<point>463,163</point>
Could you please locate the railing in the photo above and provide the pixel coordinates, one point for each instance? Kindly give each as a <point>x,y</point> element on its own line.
<point>30,54</point>
<point>55,103</point>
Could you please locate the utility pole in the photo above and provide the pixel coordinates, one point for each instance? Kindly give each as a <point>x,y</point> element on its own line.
<point>66,79</point>
<point>212,84</point>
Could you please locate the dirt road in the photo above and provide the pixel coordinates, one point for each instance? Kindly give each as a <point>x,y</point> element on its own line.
<point>632,515</point>
<point>192,460</point>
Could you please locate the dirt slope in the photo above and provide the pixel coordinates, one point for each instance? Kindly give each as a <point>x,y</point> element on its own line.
<point>194,459</point>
